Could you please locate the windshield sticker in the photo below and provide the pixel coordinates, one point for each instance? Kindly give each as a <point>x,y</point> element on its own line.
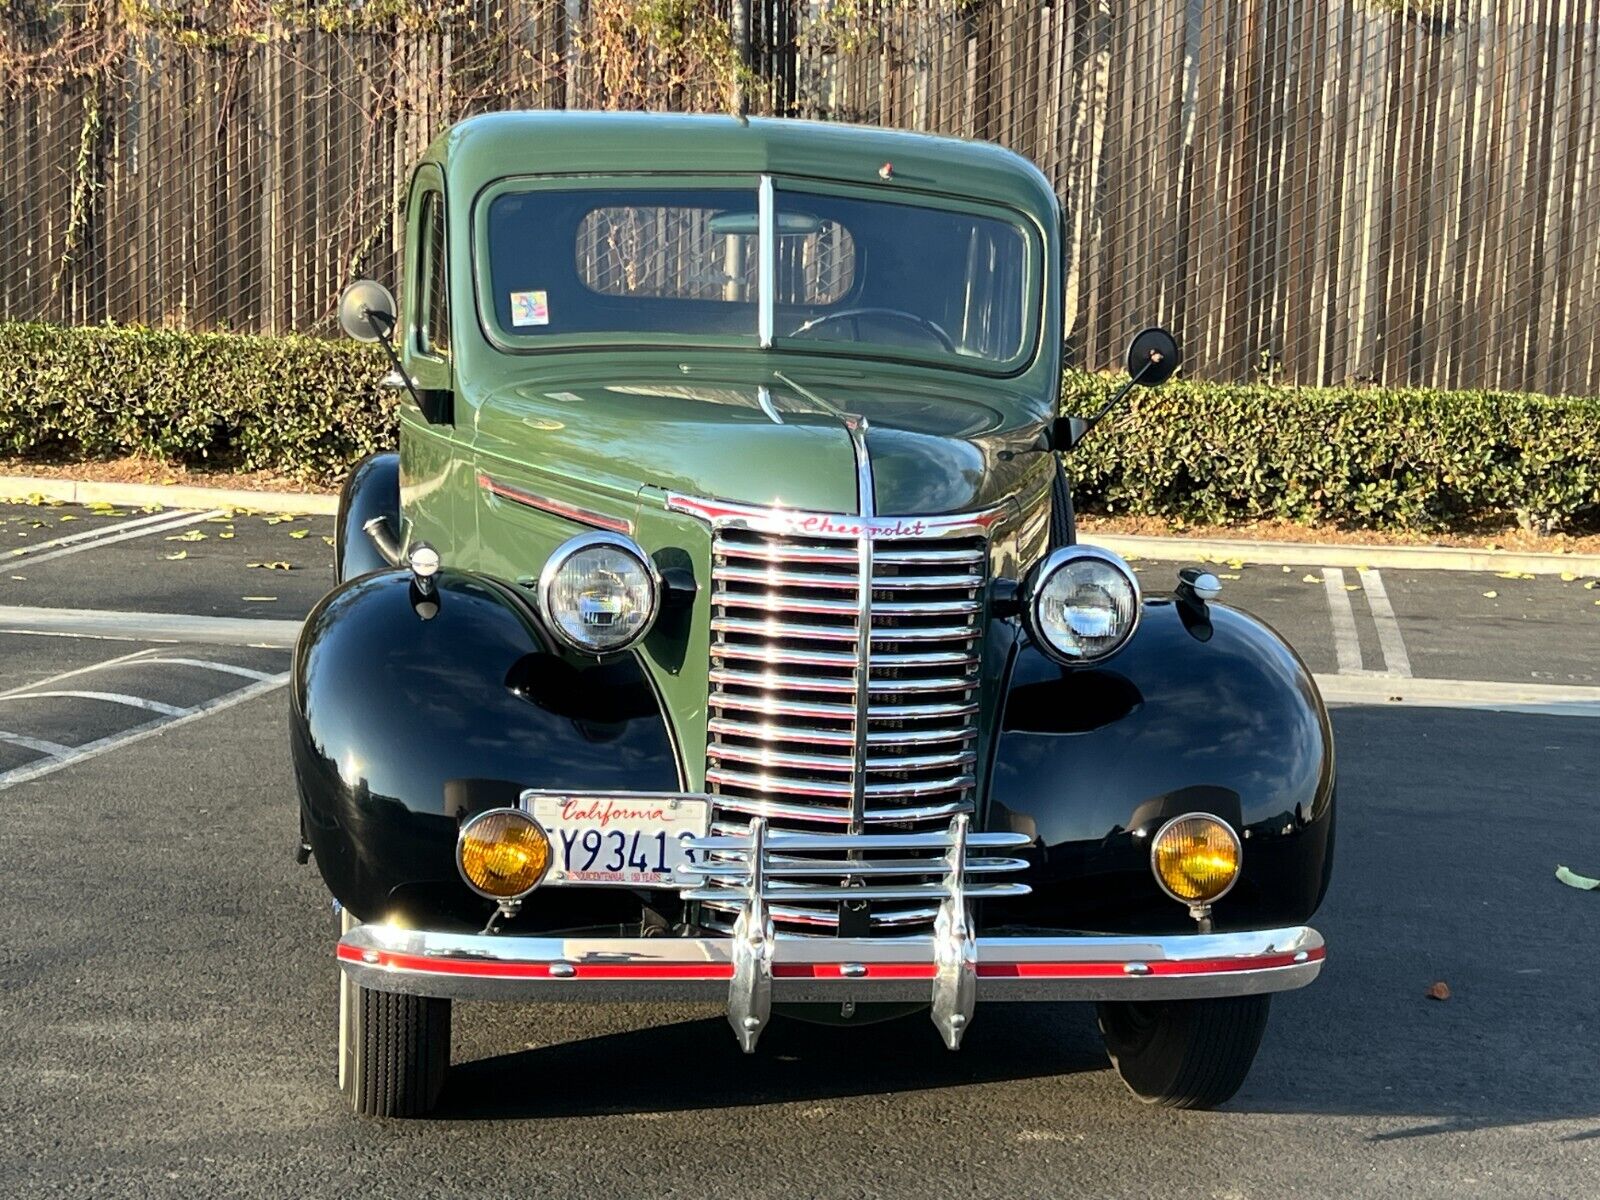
<point>530,308</point>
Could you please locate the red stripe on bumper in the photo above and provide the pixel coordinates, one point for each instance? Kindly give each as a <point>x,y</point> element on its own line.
<point>534,970</point>
<point>1096,970</point>
<point>866,971</point>
<point>859,971</point>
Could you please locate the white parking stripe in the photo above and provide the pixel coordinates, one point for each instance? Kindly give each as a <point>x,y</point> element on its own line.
<point>149,627</point>
<point>155,706</point>
<point>1395,659</point>
<point>1346,645</point>
<point>227,668</point>
<point>124,535</point>
<point>51,749</point>
<point>94,533</point>
<point>150,729</point>
<point>1557,700</point>
<point>74,673</point>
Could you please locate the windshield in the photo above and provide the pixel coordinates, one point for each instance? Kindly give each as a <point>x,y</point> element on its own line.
<point>848,274</point>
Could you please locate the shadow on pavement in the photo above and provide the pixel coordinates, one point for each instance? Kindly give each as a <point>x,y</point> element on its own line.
<point>697,1064</point>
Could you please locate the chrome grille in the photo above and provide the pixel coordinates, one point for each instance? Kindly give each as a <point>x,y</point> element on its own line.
<point>785,697</point>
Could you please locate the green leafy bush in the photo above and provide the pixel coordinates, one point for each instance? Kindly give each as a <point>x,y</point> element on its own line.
<point>1200,452</point>
<point>1368,457</point>
<point>303,407</point>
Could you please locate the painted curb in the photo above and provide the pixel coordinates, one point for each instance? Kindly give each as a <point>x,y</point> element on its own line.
<point>169,495</point>
<point>1310,554</point>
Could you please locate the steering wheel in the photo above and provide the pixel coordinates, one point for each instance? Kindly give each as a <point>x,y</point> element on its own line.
<point>919,323</point>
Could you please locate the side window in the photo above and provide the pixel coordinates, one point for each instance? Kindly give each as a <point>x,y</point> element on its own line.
<point>433,320</point>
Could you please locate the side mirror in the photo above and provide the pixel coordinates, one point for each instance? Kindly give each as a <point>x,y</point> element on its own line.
<point>1153,358</point>
<point>367,311</point>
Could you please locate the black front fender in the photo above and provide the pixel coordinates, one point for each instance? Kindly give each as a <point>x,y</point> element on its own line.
<point>410,714</point>
<point>1205,710</point>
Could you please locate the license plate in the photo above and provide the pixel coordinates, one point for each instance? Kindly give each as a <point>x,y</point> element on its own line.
<point>619,839</point>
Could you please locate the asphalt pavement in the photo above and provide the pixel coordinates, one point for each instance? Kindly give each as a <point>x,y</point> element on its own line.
<point>167,989</point>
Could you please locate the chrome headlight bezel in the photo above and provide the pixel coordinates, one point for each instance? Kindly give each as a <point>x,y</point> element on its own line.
<point>1033,593</point>
<point>587,541</point>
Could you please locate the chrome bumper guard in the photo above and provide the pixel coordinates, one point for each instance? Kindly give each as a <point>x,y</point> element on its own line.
<point>951,969</point>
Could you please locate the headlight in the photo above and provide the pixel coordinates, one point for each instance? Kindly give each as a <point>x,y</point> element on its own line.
<point>502,853</point>
<point>1195,858</point>
<point>1082,604</point>
<point>599,592</point>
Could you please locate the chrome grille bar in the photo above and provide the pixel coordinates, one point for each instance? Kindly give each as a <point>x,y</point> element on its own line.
<point>838,709</point>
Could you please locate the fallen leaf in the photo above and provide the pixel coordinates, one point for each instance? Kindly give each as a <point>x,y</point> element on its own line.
<point>300,533</point>
<point>1568,577</point>
<point>1490,595</point>
<point>1236,564</point>
<point>68,517</point>
<point>258,599</point>
<point>280,518</point>
<point>1288,570</point>
<point>153,508</point>
<point>1573,879</point>
<point>1439,991</point>
<point>177,556</point>
<point>1227,577</point>
<point>1352,587</point>
<point>226,535</point>
<point>1591,585</point>
<point>20,578</point>
<point>1512,575</point>
<point>271,566</point>
<point>327,540</point>
<point>1311,579</point>
<point>194,535</point>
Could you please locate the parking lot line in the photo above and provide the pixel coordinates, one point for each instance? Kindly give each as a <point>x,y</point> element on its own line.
<point>155,706</point>
<point>1553,700</point>
<point>149,627</point>
<point>1395,659</point>
<point>49,749</point>
<point>226,668</point>
<point>117,534</point>
<point>73,674</point>
<point>94,533</point>
<point>77,754</point>
<point>1346,645</point>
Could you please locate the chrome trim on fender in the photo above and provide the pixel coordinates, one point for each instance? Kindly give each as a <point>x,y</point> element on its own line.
<point>557,508</point>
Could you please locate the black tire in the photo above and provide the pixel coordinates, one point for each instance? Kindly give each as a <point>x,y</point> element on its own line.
<point>1063,523</point>
<point>1184,1053</point>
<point>393,1051</point>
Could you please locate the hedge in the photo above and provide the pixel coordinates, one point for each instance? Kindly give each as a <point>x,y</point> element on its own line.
<point>297,406</point>
<point>1366,457</point>
<point>1200,452</point>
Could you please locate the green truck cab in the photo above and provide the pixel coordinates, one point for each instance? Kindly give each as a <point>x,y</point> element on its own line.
<point>719,629</point>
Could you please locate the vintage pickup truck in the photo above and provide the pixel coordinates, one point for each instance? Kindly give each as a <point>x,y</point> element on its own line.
<point>720,631</point>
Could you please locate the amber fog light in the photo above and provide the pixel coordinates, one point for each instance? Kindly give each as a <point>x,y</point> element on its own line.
<point>502,853</point>
<point>1195,858</point>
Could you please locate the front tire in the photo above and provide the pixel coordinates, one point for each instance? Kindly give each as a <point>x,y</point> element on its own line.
<point>1184,1053</point>
<point>394,1050</point>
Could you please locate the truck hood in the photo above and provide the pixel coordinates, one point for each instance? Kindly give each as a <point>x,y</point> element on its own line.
<point>934,448</point>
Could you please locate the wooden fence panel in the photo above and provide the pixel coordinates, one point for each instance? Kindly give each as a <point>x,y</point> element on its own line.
<point>1309,190</point>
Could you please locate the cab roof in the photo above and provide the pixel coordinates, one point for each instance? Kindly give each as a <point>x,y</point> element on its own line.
<point>481,149</point>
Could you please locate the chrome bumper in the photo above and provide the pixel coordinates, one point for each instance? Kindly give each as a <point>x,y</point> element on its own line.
<point>830,970</point>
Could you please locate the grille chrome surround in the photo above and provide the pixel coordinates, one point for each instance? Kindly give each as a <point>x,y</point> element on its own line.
<point>799,736</point>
